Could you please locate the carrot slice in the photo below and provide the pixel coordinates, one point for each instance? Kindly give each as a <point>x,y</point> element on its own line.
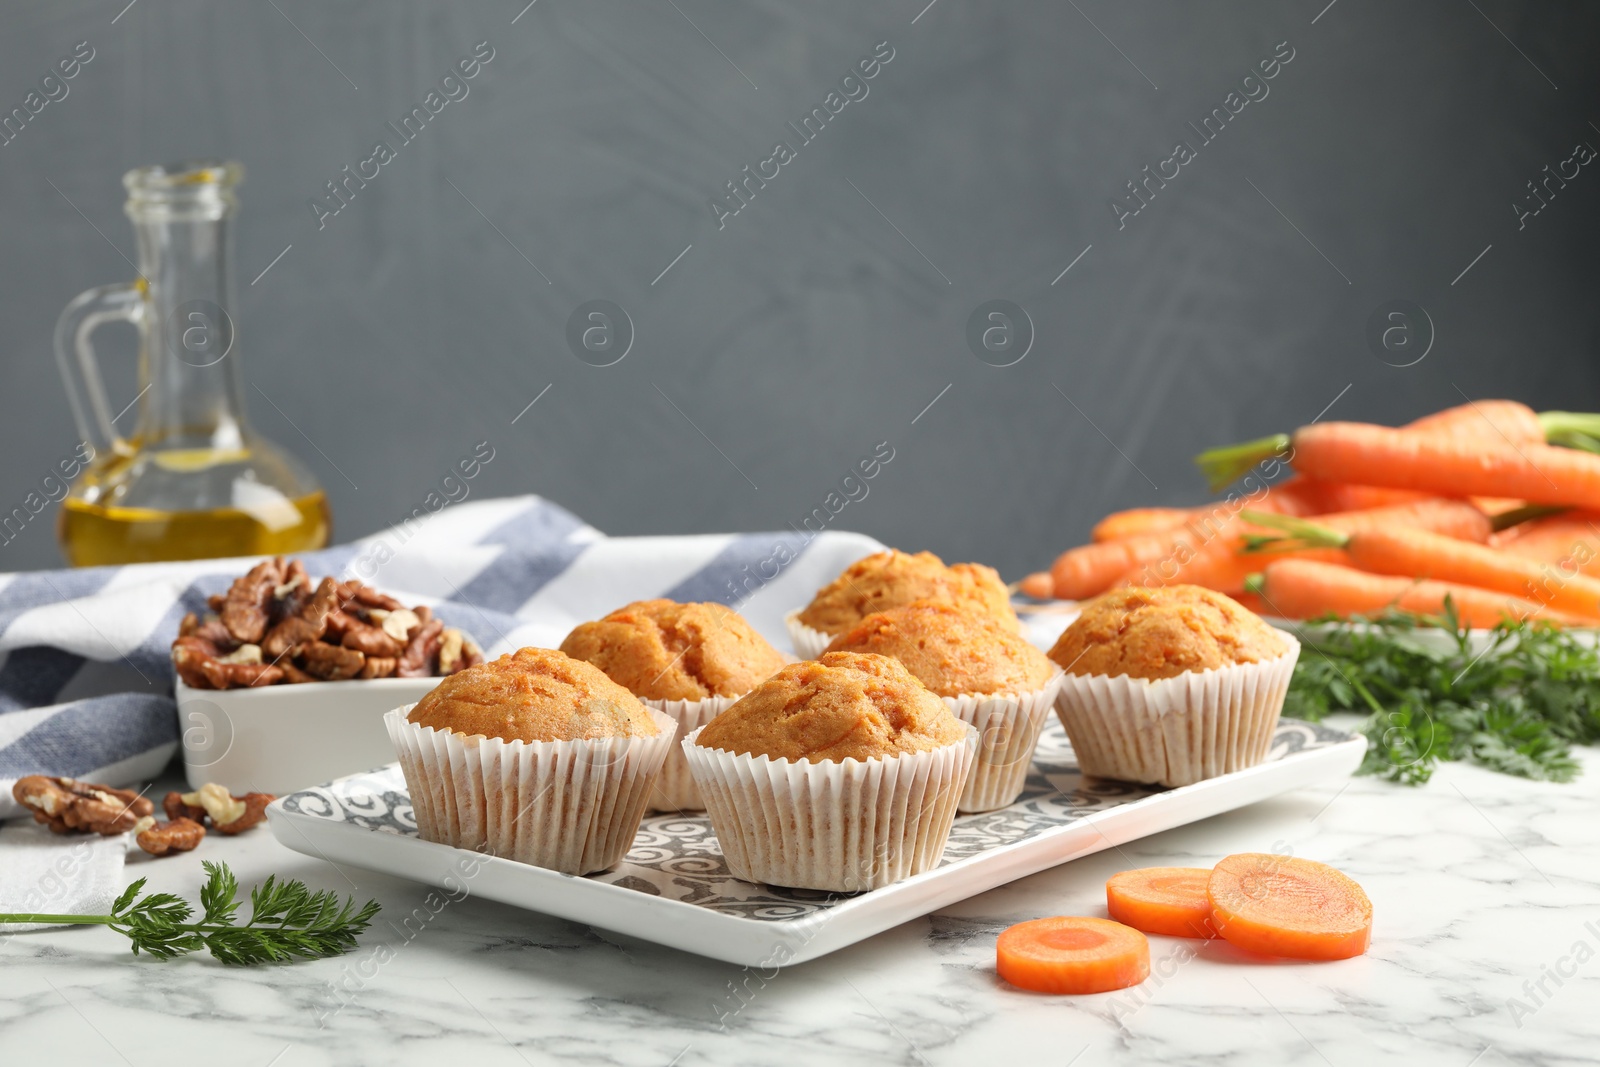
<point>1162,900</point>
<point>1286,906</point>
<point>1072,954</point>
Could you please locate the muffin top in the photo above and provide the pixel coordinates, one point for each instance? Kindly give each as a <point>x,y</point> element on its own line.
<point>846,705</point>
<point>951,649</point>
<point>1164,632</point>
<point>893,579</point>
<point>534,694</point>
<point>664,650</point>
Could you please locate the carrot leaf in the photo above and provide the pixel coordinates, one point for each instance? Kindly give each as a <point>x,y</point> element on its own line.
<point>1430,693</point>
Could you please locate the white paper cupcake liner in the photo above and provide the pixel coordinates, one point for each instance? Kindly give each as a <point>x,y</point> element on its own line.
<point>844,826</point>
<point>1008,726</point>
<point>675,789</point>
<point>808,643</point>
<point>570,806</point>
<point>1175,731</point>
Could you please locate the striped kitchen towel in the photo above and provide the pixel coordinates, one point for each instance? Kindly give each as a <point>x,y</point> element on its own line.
<point>86,679</point>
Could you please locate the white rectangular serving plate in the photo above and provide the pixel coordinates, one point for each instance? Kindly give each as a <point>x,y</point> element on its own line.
<point>673,888</point>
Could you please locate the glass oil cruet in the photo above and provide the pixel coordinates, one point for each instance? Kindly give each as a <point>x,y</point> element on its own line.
<point>192,480</point>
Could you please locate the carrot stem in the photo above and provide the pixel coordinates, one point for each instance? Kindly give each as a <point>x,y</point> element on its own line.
<point>1528,512</point>
<point>1572,429</point>
<point>1224,466</point>
<point>1304,534</point>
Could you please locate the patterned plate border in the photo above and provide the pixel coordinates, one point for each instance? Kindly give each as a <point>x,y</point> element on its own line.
<point>676,856</point>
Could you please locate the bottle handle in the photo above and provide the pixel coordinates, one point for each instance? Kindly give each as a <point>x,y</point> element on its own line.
<point>80,368</point>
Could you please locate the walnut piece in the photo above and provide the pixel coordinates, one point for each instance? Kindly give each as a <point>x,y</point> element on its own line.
<point>329,662</point>
<point>398,623</point>
<point>243,654</point>
<point>307,624</point>
<point>369,597</point>
<point>163,839</point>
<point>240,675</point>
<point>228,814</point>
<point>175,807</point>
<point>255,813</point>
<point>371,641</point>
<point>450,642</point>
<point>67,805</point>
<point>378,667</point>
<point>418,660</point>
<point>244,611</point>
<point>218,803</point>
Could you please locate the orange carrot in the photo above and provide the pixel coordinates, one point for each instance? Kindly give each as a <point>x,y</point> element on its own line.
<point>1038,585</point>
<point>1506,420</point>
<point>1495,425</point>
<point>1135,521</point>
<point>1072,954</point>
<point>1286,906</point>
<point>1308,589</point>
<point>1414,553</point>
<point>1570,541</point>
<point>1089,570</point>
<point>1162,900</point>
<point>1376,455</point>
<point>1325,498</point>
<point>1221,565</point>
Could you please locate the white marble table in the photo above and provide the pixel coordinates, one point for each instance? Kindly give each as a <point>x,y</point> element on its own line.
<point>1485,888</point>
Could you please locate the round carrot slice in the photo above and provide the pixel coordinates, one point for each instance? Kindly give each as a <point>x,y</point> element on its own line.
<point>1072,954</point>
<point>1284,906</point>
<point>1162,900</point>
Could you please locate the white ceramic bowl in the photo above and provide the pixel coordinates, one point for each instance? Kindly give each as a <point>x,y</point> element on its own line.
<point>280,738</point>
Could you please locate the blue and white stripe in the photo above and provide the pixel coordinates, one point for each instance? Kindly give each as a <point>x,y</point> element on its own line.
<point>86,679</point>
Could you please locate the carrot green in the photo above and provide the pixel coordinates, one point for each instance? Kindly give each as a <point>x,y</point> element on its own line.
<point>1516,707</point>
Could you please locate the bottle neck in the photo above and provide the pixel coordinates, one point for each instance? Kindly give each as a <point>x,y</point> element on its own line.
<point>189,367</point>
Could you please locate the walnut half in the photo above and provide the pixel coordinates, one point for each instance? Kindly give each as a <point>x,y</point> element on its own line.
<point>67,805</point>
<point>228,814</point>
<point>165,838</point>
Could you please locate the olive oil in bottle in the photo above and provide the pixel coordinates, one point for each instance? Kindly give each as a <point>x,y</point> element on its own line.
<point>193,480</point>
<point>93,535</point>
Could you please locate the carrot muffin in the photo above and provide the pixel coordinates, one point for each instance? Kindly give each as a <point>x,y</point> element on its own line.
<point>690,661</point>
<point>1171,685</point>
<point>536,757</point>
<point>1163,632</point>
<point>841,773</point>
<point>664,650</point>
<point>984,671</point>
<point>892,579</point>
<point>533,694</point>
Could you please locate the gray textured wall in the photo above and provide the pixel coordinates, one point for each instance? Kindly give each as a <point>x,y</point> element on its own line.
<point>826,315</point>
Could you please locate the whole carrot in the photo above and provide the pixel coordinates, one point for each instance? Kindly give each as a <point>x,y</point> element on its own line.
<point>1134,522</point>
<point>1493,423</point>
<point>1376,455</point>
<point>1089,570</point>
<point>1414,553</point>
<point>1306,589</point>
